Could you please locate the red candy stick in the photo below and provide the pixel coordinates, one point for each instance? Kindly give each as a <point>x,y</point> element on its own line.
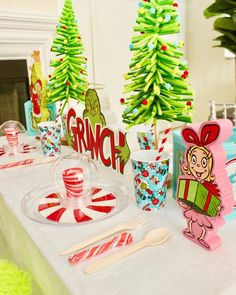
<point>117,241</point>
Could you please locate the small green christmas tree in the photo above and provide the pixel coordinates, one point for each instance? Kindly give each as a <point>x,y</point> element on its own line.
<point>69,78</point>
<point>159,87</point>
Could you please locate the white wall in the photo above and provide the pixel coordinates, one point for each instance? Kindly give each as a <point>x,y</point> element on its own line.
<point>212,76</point>
<point>46,7</point>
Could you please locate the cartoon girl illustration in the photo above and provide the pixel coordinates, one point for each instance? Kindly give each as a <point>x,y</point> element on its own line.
<point>198,166</point>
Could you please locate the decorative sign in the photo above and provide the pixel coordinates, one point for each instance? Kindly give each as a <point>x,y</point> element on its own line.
<point>204,191</point>
<point>102,143</point>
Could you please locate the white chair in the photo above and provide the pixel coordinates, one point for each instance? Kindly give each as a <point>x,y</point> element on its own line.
<point>223,110</point>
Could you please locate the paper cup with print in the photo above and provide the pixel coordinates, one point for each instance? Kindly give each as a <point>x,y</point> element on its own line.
<point>50,137</point>
<point>150,179</point>
<point>146,140</point>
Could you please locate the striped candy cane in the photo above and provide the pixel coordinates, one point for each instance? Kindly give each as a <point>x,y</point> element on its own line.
<point>58,112</point>
<point>163,142</point>
<point>118,241</point>
<point>73,180</point>
<point>12,136</point>
<point>18,163</point>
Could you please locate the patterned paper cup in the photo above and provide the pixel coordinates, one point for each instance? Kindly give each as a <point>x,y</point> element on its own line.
<point>150,179</point>
<point>146,140</point>
<point>50,137</point>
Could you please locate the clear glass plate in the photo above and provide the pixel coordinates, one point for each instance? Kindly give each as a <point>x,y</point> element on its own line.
<point>35,197</point>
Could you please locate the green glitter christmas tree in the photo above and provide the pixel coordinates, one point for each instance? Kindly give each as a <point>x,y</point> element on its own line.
<point>158,87</point>
<point>69,79</point>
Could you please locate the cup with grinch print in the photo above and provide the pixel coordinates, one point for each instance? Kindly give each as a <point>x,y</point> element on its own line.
<point>50,137</point>
<point>150,179</point>
<point>145,136</point>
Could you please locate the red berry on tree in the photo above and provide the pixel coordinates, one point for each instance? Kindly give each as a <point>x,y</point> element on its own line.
<point>176,4</point>
<point>163,47</point>
<point>49,76</point>
<point>184,76</point>
<point>144,102</point>
<point>81,72</point>
<point>61,59</point>
<point>64,27</point>
<point>155,201</point>
<point>122,100</point>
<point>189,103</point>
<point>142,33</point>
<point>145,173</point>
<point>83,93</point>
<point>186,73</point>
<point>67,83</point>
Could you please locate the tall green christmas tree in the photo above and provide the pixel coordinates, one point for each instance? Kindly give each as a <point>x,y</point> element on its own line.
<point>68,80</point>
<point>159,86</point>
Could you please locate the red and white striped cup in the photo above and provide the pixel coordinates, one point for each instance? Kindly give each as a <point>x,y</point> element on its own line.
<point>12,136</point>
<point>74,181</point>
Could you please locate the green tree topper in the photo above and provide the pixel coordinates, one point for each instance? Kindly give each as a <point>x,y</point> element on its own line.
<point>159,87</point>
<point>68,80</point>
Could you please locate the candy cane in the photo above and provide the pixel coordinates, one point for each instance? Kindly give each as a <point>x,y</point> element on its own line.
<point>118,241</point>
<point>12,136</point>
<point>15,164</point>
<point>162,146</point>
<point>73,180</point>
<point>58,112</point>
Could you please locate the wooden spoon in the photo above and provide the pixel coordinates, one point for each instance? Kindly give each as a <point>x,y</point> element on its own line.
<point>153,238</point>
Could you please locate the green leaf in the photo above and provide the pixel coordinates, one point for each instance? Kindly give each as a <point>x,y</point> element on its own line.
<point>225,23</point>
<point>219,7</point>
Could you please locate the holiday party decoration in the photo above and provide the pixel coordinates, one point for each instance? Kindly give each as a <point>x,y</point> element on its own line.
<point>123,239</point>
<point>68,81</point>
<point>226,24</point>
<point>50,138</point>
<point>204,191</point>
<point>76,195</point>
<point>31,124</point>
<point>150,179</point>
<point>158,84</point>
<point>38,110</point>
<point>230,150</point>
<point>146,139</point>
<point>13,280</point>
<point>115,153</point>
<point>93,109</point>
<point>12,136</point>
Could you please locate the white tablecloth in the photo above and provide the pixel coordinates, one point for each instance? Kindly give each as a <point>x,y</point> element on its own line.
<point>177,267</point>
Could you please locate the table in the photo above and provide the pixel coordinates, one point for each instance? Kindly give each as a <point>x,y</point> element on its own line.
<point>177,267</point>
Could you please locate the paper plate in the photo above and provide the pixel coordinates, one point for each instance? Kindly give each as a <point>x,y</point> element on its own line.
<point>43,204</point>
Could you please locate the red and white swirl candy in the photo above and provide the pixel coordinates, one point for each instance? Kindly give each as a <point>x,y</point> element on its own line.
<point>12,136</point>
<point>74,181</point>
<point>118,241</point>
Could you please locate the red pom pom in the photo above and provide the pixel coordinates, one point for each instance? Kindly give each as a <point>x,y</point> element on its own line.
<point>79,38</point>
<point>83,93</point>
<point>163,47</point>
<point>142,33</point>
<point>122,100</point>
<point>64,27</point>
<point>184,76</point>
<point>49,76</point>
<point>86,58</point>
<point>67,83</point>
<point>186,73</point>
<point>61,59</point>
<point>176,4</point>
<point>81,72</point>
<point>144,102</point>
<point>189,103</point>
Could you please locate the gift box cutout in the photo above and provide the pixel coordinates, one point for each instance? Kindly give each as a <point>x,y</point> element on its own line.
<point>196,195</point>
